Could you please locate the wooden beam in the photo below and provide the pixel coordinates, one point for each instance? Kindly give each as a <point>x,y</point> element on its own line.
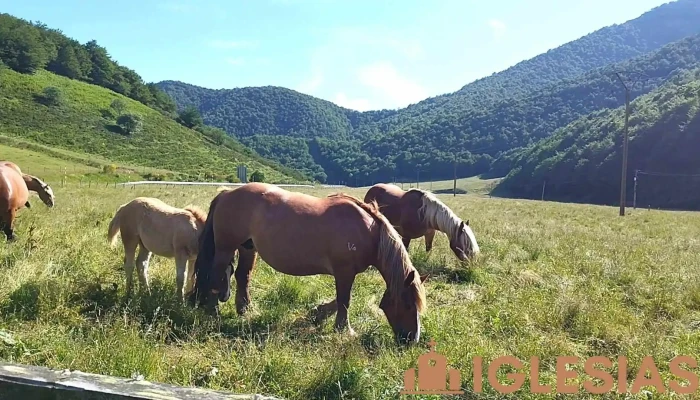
<point>32,382</point>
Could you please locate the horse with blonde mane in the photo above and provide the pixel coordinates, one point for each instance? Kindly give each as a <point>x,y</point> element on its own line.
<point>415,213</point>
<point>300,235</point>
<point>161,229</point>
<point>14,195</point>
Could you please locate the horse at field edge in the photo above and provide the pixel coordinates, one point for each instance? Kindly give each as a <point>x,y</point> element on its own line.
<point>299,234</point>
<point>161,229</point>
<point>415,213</point>
<point>14,195</point>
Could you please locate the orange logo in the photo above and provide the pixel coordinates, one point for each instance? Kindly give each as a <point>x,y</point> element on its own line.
<point>432,375</point>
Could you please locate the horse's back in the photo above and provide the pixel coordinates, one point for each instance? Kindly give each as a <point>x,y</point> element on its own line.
<point>388,197</point>
<point>11,165</point>
<point>162,228</point>
<point>296,233</point>
<point>13,189</point>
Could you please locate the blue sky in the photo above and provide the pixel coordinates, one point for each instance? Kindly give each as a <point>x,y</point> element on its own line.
<point>359,54</point>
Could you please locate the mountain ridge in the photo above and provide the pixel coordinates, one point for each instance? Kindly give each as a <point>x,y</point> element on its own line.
<point>430,136</point>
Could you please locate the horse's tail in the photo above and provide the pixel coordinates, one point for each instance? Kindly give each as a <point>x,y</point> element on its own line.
<point>113,228</point>
<point>205,257</point>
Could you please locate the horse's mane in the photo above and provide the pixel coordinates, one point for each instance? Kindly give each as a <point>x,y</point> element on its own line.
<point>436,213</point>
<point>393,256</point>
<point>198,213</point>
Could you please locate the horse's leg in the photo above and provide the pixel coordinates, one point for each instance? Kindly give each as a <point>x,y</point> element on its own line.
<point>246,263</point>
<point>190,275</point>
<point>8,228</point>
<point>406,242</point>
<point>429,236</point>
<point>343,287</point>
<point>142,260</point>
<point>129,254</point>
<point>324,311</point>
<point>180,270</point>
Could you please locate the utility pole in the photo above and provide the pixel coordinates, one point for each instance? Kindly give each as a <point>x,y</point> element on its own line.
<point>623,179</point>
<point>454,181</point>
<point>544,183</point>
<point>634,202</point>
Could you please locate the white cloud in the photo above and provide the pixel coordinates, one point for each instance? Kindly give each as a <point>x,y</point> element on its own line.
<point>498,27</point>
<point>235,60</point>
<point>342,100</point>
<point>177,7</point>
<point>310,85</point>
<point>381,39</point>
<point>232,44</point>
<point>397,89</point>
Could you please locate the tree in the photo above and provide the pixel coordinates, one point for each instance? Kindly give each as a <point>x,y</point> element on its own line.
<point>257,176</point>
<point>119,106</point>
<point>217,135</point>
<point>52,96</point>
<point>103,68</point>
<point>66,63</point>
<point>130,123</point>
<point>21,48</point>
<point>190,117</point>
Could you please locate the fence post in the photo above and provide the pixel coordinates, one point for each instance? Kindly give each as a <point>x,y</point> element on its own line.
<point>634,201</point>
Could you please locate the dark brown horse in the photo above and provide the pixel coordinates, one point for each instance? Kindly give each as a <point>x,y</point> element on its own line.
<point>299,234</point>
<point>415,213</point>
<point>14,194</point>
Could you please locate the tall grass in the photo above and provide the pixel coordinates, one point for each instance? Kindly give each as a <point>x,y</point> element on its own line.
<point>553,280</point>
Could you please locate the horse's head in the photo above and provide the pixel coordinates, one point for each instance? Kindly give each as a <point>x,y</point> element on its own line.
<point>46,194</point>
<point>207,295</point>
<point>463,242</point>
<point>403,309</point>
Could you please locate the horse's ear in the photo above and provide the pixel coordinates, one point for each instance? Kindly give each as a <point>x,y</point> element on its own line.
<point>467,223</point>
<point>424,278</point>
<point>409,279</point>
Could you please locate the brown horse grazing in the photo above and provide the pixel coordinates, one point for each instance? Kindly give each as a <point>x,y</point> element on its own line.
<point>298,234</point>
<point>157,228</point>
<point>14,194</point>
<point>417,213</point>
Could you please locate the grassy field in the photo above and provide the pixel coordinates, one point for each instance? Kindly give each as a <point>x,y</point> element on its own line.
<point>553,280</point>
<point>72,169</point>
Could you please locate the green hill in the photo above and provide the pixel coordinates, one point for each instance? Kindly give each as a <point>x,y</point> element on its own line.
<point>475,125</point>
<point>581,162</point>
<point>63,94</point>
<point>83,121</point>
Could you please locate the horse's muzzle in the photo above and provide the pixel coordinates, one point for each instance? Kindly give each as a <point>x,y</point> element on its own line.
<point>408,338</point>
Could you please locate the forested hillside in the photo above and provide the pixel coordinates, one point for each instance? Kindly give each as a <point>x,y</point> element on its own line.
<point>582,161</point>
<point>473,126</point>
<point>58,92</point>
<point>258,116</point>
<point>28,47</point>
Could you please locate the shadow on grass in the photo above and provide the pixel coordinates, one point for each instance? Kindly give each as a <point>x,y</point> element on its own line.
<point>450,191</point>
<point>23,303</point>
<point>115,129</point>
<point>96,301</point>
<point>107,114</point>
<point>464,273</point>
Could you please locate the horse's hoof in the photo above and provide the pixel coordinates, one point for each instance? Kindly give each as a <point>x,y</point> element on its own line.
<point>242,310</point>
